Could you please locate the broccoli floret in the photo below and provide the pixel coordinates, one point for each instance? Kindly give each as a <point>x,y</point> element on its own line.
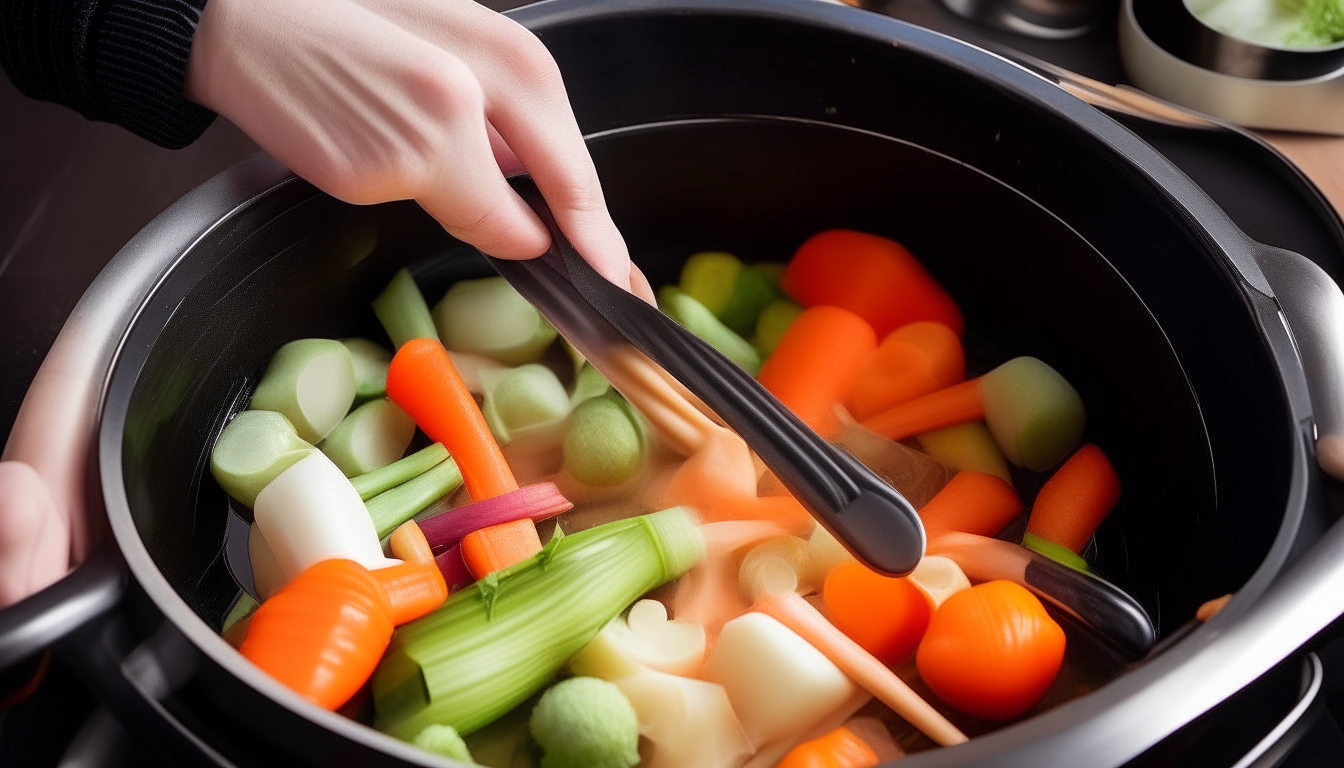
<point>444,740</point>
<point>1323,21</point>
<point>584,722</point>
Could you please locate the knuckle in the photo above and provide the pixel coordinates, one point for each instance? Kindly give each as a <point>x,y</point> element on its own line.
<point>446,88</point>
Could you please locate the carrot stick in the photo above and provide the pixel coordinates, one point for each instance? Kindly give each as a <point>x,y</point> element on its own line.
<point>408,543</point>
<point>838,749</point>
<point>785,511</point>
<point>871,276</point>
<point>499,546</point>
<point>413,589</point>
<point>719,470</point>
<point>861,666</point>
<point>423,381</point>
<point>971,502</point>
<point>816,363</point>
<point>949,406</point>
<point>912,360</point>
<point>679,421</point>
<point>1076,499</point>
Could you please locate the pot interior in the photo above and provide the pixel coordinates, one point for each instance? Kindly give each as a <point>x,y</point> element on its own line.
<point>1193,522</point>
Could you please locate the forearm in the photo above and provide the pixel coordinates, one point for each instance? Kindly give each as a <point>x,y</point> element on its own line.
<point>120,61</point>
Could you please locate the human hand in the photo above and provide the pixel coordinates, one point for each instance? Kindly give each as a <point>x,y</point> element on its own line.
<point>430,100</point>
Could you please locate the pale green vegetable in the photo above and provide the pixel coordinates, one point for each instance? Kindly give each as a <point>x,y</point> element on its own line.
<point>242,608</point>
<point>775,565</point>
<point>402,310</point>
<point>400,471</point>
<point>373,436</point>
<point>1275,23</point>
<point>311,382</point>
<point>584,722</point>
<point>757,288</point>
<point>696,318</point>
<point>588,383</point>
<point>507,742</point>
<point>605,443</point>
<point>492,645</point>
<point>773,323</point>
<point>1057,552</point>
<point>391,508</point>
<point>490,317</point>
<point>709,277</point>
<point>443,740</point>
<point>527,400</point>
<point>371,362</point>
<point>1322,22</point>
<point>253,448</point>
<point>1035,415</point>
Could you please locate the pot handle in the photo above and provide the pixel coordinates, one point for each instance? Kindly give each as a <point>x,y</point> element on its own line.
<point>1313,309</point>
<point>36,622</point>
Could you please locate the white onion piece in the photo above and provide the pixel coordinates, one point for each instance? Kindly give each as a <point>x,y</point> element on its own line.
<point>266,575</point>
<point>939,578</point>
<point>310,513</point>
<point>645,640</point>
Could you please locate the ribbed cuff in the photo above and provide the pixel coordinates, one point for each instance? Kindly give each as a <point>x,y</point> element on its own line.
<point>139,67</point>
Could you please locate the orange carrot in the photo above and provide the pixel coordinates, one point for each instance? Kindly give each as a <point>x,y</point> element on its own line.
<point>323,633</point>
<point>991,651</point>
<point>413,589</point>
<point>423,381</point>
<point>786,511</point>
<point>884,615</point>
<point>871,276</point>
<point>971,502</point>
<point>500,546</point>
<point>838,749</point>
<point>408,543</point>
<point>1076,499</point>
<point>814,366</point>
<point>949,406</point>
<point>861,666</point>
<point>721,468</point>
<point>912,360</point>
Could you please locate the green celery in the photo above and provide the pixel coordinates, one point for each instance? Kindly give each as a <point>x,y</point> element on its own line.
<point>696,318</point>
<point>402,310</point>
<point>371,362</point>
<point>400,471</point>
<point>392,508</point>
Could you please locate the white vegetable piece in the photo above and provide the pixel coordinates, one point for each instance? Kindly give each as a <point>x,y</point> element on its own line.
<point>647,639</point>
<point>690,722</point>
<point>266,575</point>
<point>310,513</point>
<point>777,682</point>
<point>774,566</point>
<point>489,317</point>
<point>939,578</point>
<point>311,382</point>
<point>824,552</point>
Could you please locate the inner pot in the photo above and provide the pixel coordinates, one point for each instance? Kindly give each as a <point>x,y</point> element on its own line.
<point>1015,198</point>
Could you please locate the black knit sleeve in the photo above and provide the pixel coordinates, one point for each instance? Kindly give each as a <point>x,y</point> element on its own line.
<point>121,61</point>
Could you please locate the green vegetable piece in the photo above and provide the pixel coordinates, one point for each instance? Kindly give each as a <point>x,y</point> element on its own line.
<point>242,608</point>
<point>588,383</point>
<point>709,278</point>
<point>464,666</point>
<point>251,450</point>
<point>526,400</point>
<point>605,444</point>
<point>371,362</point>
<point>694,317</point>
<point>757,288</point>
<point>311,382</point>
<point>584,722</point>
<point>1322,23</point>
<point>399,471</point>
<point>390,509</point>
<point>402,310</point>
<point>488,316</point>
<point>1035,415</point>
<point>374,435</point>
<point>444,740</point>
<point>1057,552</point>
<point>773,323</point>
<point>507,742</point>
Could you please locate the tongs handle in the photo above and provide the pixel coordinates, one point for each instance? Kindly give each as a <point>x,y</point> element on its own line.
<point>872,519</point>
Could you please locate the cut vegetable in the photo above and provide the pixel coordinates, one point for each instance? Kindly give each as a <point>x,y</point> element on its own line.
<point>1036,416</point>
<point>838,749</point>
<point>402,310</point>
<point>972,502</point>
<point>917,476</point>
<point>939,578</point>
<point>871,276</point>
<point>423,381</point>
<point>694,317</point>
<point>489,317</point>
<point>991,651</point>
<point>884,615</point>
<point>757,287</point>
<point>862,667</point>
<point>604,444</point>
<point>588,383</point>
<point>252,450</point>
<point>453,567</point>
<point>267,576</point>
<point>584,722</point>
<point>709,594</point>
<point>815,365</point>
<point>912,360</point>
<point>374,435</point>
<point>647,639</point>
<point>672,708</point>
<point>409,545</point>
<point>527,401</point>
<point>1075,500</point>
<point>370,360</point>
<point>774,322</point>
<point>390,509</point>
<point>499,546</point>
<point>774,566</point>
<point>967,446</point>
<point>824,552</point>
<point>709,277</point>
<point>443,740</point>
<point>311,382</point>
<point>535,502</point>
<point>412,589</point>
<point>490,647</point>
<point>400,471</point>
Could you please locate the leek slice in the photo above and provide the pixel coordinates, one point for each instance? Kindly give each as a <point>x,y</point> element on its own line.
<point>311,382</point>
<point>490,317</point>
<point>373,436</point>
<point>371,362</point>
<point>251,450</point>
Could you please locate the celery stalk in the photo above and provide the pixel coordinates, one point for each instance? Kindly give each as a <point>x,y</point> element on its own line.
<point>371,362</point>
<point>492,645</point>
<point>400,471</point>
<point>392,508</point>
<point>402,310</point>
<point>696,318</point>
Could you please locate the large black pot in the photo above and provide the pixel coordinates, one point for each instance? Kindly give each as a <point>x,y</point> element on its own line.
<point>747,126</point>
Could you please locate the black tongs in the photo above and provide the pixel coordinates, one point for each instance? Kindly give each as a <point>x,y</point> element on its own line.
<point>872,519</point>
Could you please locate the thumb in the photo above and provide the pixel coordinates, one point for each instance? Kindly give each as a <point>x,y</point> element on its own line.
<point>34,539</point>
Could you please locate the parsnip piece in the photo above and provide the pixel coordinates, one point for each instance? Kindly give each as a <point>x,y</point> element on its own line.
<point>645,639</point>
<point>690,722</point>
<point>939,578</point>
<point>774,566</point>
<point>777,682</point>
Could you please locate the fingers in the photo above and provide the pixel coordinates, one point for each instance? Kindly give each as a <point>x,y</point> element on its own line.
<point>639,285</point>
<point>34,543</point>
